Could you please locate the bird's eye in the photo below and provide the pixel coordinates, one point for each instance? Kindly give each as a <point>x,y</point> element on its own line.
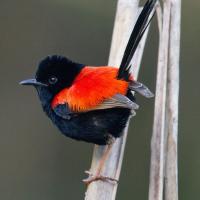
<point>53,80</point>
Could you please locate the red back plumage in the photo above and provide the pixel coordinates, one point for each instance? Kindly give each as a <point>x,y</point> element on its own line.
<point>91,87</point>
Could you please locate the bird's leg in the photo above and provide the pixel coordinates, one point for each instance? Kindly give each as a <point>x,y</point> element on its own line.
<point>97,175</point>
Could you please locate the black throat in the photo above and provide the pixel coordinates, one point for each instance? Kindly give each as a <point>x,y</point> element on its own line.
<point>46,98</point>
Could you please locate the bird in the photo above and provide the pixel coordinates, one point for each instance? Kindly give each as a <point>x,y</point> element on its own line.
<point>92,103</point>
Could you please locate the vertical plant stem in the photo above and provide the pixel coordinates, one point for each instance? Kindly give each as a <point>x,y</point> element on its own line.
<point>164,171</point>
<point>158,137</point>
<point>171,171</point>
<point>127,11</point>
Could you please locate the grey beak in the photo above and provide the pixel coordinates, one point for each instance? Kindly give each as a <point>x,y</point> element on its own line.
<point>33,82</point>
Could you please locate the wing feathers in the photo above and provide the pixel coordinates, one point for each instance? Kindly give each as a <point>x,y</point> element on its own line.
<point>63,111</point>
<point>141,89</point>
<point>119,101</point>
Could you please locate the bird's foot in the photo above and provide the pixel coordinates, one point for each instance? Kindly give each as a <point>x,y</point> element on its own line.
<point>97,177</point>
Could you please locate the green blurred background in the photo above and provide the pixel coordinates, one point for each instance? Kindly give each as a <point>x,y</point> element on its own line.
<point>37,162</point>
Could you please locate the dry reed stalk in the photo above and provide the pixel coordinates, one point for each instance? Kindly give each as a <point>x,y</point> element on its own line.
<point>164,172</point>
<point>126,15</point>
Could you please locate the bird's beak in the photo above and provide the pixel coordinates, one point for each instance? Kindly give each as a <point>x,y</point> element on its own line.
<point>33,82</point>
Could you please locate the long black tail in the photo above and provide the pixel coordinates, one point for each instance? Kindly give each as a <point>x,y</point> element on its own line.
<point>136,35</point>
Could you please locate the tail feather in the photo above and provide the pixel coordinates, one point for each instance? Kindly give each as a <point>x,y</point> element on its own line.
<point>136,35</point>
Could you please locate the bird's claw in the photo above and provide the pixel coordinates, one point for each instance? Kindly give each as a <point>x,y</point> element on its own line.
<point>97,177</point>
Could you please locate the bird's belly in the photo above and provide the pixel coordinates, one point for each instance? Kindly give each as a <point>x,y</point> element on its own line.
<point>95,126</point>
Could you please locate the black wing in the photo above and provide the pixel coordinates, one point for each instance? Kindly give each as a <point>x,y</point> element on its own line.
<point>63,111</point>
<point>141,89</point>
<point>117,101</point>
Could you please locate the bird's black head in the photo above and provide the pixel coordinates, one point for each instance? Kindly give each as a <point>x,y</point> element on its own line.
<point>55,73</point>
